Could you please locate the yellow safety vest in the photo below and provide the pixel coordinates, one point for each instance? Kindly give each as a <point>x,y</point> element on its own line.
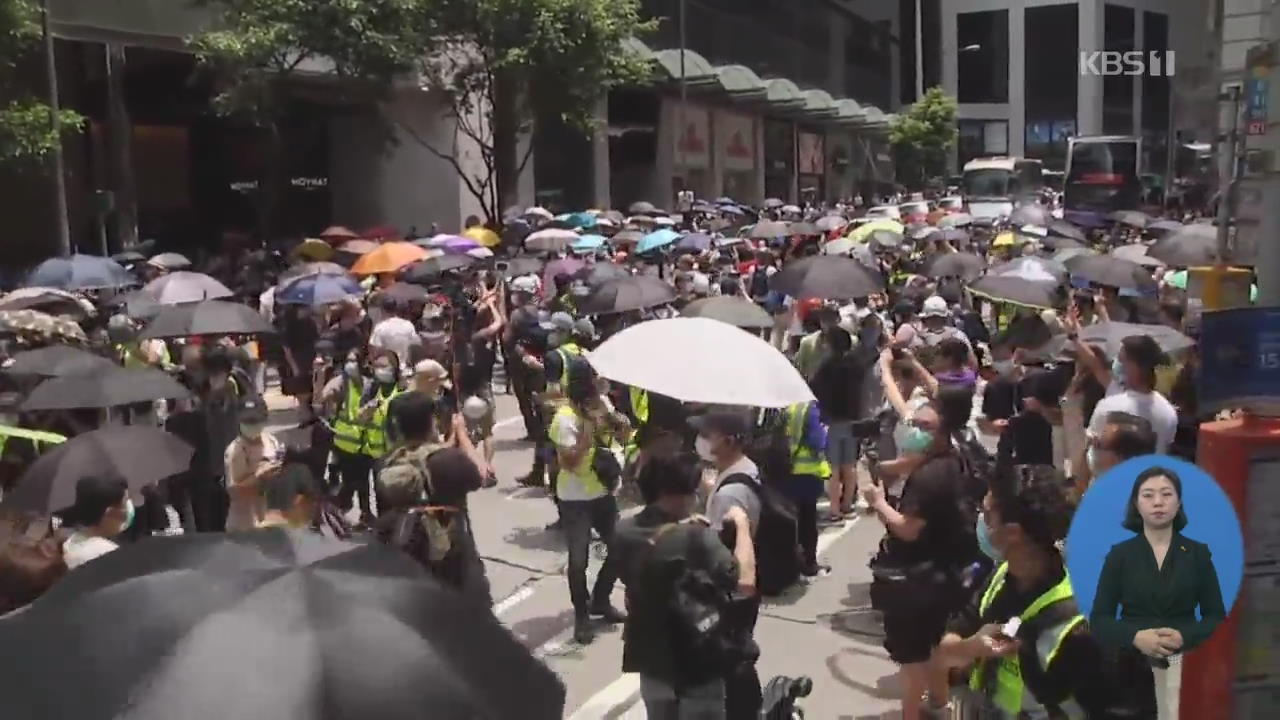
<point>131,356</point>
<point>584,471</point>
<point>804,459</point>
<point>348,431</point>
<point>640,404</point>
<point>37,437</point>
<point>567,351</point>
<point>375,433</point>
<point>1008,692</point>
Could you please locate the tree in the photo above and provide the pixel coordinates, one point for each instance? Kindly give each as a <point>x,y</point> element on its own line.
<point>501,63</point>
<point>26,123</point>
<point>922,137</point>
<point>262,51</point>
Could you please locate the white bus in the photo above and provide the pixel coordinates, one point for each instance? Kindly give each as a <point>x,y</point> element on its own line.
<point>993,186</point>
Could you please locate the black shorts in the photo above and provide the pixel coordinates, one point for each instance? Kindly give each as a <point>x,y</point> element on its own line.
<point>911,634</point>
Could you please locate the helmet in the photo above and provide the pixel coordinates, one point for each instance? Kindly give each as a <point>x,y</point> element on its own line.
<point>474,408</point>
<point>120,329</point>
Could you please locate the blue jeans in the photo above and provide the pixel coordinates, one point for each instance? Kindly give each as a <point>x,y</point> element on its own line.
<point>663,702</point>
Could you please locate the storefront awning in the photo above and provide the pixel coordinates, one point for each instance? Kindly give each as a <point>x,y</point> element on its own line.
<point>698,73</point>
<point>849,112</point>
<point>783,95</point>
<point>740,83</point>
<point>819,105</point>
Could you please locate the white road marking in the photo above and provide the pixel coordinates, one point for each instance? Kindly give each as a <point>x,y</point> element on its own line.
<point>508,421</point>
<point>625,691</point>
<point>510,601</point>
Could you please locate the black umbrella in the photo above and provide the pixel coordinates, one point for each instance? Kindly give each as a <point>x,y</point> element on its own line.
<point>1191,246</point>
<point>137,454</point>
<point>626,236</point>
<point>79,272</point>
<point>956,264</point>
<point>1029,215</point>
<point>1062,228</point>
<point>642,207</point>
<point>405,293</point>
<point>1161,227</point>
<point>265,624</point>
<point>769,230</point>
<point>923,232</point>
<point>211,317</point>
<point>624,294</point>
<point>1033,269</point>
<point>804,228</point>
<point>737,311</point>
<point>185,287</point>
<point>57,360</point>
<point>428,272</point>
<point>1055,243</point>
<point>831,222</point>
<point>1017,290</point>
<point>135,304</point>
<point>826,276</point>
<point>1132,218</point>
<point>517,266</point>
<point>1109,336</point>
<point>118,386</point>
<point>599,273</point>
<point>1112,272</point>
<point>957,237</point>
<point>129,257</point>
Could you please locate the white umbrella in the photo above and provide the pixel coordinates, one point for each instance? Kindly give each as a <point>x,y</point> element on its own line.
<point>480,252</point>
<point>541,212</point>
<point>184,287</point>
<point>701,360</point>
<point>839,246</point>
<point>551,240</point>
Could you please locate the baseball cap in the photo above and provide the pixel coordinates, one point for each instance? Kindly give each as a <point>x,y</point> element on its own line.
<point>253,411</point>
<point>433,370</point>
<point>935,306</point>
<point>584,328</point>
<point>524,284</point>
<point>562,321</point>
<point>722,422</point>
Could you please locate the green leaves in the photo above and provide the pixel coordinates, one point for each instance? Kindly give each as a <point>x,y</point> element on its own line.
<point>26,127</point>
<point>922,136</point>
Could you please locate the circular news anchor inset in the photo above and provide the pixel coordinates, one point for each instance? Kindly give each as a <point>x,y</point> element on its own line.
<point>1161,607</point>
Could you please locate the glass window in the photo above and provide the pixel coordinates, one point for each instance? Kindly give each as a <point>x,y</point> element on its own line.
<point>979,138</point>
<point>1117,90</point>
<point>982,46</point>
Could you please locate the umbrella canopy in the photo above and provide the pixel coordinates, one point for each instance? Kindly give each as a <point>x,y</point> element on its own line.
<point>358,247</point>
<point>551,240</point>
<point>697,359</point>
<point>184,287</point>
<point>79,272</point>
<point>769,230</point>
<point>138,454</point>
<point>314,249</point>
<point>1189,247</point>
<point>1136,253</point>
<point>483,235</point>
<point>657,239</point>
<point>955,220</point>
<point>338,234</point>
<point>790,209</point>
<point>1056,242</point>
<point>862,233</point>
<point>1062,228</point>
<point>312,268</point>
<point>831,223</point>
<point>426,272</point>
<point>583,220</point>
<point>805,229</point>
<point>839,246</point>
<point>1112,272</point>
<point>562,266</point>
<point>885,239</point>
<point>381,232</point>
<point>480,253</point>
<point>119,386</point>
<point>957,237</point>
<point>318,289</point>
<point>1161,227</point>
<point>832,278</point>
<point>170,261</point>
<point>697,242</point>
<point>447,242</point>
<point>954,264</point>
<point>736,311</point>
<point>773,203</point>
<point>1062,256</point>
<point>641,208</point>
<point>538,212</point>
<point>388,258</point>
<point>41,327</point>
<point>627,236</point>
<point>51,300</point>
<point>517,266</point>
<point>1030,215</point>
<point>628,293</point>
<point>1109,336</point>
<point>209,318</point>
<point>921,232</point>
<point>129,257</point>
<point>301,626</point>
<point>58,360</point>
<point>1132,218</point>
<point>1017,290</point>
<point>588,243</point>
<point>600,273</point>
<point>1033,269</point>
<point>405,293</point>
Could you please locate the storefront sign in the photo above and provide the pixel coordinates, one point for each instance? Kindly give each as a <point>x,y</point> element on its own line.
<point>811,156</point>
<point>737,137</point>
<point>1241,358</point>
<point>693,149</point>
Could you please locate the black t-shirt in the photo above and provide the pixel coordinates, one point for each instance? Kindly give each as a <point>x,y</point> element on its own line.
<point>1000,398</point>
<point>934,492</point>
<point>1028,440</point>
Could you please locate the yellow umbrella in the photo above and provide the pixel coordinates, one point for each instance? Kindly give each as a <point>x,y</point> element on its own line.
<point>314,249</point>
<point>483,235</point>
<point>862,233</point>
<point>1004,239</point>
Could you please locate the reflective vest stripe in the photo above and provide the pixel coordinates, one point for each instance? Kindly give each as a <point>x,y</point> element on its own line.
<point>584,472</point>
<point>804,459</point>
<point>640,404</point>
<point>1010,694</point>
<point>37,437</point>
<point>568,351</point>
<point>375,433</point>
<point>348,432</point>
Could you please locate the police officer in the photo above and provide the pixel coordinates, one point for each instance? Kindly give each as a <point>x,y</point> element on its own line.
<point>1032,652</point>
<point>809,472</point>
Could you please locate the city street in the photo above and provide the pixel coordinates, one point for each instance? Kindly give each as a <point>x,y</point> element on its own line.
<point>824,630</point>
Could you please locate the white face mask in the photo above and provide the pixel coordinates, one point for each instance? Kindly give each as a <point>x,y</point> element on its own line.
<point>352,369</point>
<point>384,375</point>
<point>702,446</point>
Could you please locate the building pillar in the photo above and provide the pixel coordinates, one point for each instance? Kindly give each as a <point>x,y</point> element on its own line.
<point>715,154</point>
<point>661,190</point>
<point>1139,43</point>
<point>526,186</point>
<point>1089,87</point>
<point>1017,81</point>
<point>758,198</point>
<point>122,220</point>
<point>600,178</point>
<point>950,68</point>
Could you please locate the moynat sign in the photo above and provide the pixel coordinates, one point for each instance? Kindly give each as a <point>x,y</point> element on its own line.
<point>1156,63</point>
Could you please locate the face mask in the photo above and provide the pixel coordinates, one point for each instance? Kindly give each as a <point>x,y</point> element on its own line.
<point>702,446</point>
<point>251,431</point>
<point>351,369</point>
<point>217,382</point>
<point>128,514</point>
<point>384,375</point>
<point>917,440</point>
<point>984,540</point>
<point>1004,367</point>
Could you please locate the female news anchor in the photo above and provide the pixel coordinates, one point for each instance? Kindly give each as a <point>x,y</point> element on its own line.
<point>1157,580</point>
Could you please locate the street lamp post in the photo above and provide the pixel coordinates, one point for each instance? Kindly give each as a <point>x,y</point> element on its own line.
<point>684,101</point>
<point>919,49</point>
<point>55,124</point>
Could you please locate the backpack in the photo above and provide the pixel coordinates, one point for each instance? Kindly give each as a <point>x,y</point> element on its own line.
<point>777,538</point>
<point>770,447</point>
<point>425,531</point>
<point>759,285</point>
<point>30,558</point>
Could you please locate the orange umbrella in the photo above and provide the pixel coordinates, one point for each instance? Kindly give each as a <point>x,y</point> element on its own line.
<point>388,258</point>
<point>338,234</point>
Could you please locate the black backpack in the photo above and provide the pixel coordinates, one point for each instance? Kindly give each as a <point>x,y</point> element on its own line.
<point>759,283</point>
<point>777,538</point>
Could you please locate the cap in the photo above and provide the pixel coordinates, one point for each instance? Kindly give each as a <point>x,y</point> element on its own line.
<point>584,328</point>
<point>561,321</point>
<point>525,284</point>
<point>935,306</point>
<point>724,422</point>
<point>253,410</point>
<point>432,370</point>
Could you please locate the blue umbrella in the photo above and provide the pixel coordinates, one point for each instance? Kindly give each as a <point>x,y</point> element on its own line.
<point>733,210</point>
<point>79,272</point>
<point>657,239</point>
<point>695,241</point>
<point>579,220</point>
<point>589,243</point>
<point>322,289</point>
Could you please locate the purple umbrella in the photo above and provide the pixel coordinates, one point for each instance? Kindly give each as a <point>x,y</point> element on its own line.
<point>563,266</point>
<point>697,242</point>
<point>451,244</point>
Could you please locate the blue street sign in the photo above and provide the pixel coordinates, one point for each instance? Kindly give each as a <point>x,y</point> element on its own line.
<point>1257,97</point>
<point>1239,358</point>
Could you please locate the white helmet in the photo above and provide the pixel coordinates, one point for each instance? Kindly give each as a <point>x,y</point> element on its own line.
<point>474,408</point>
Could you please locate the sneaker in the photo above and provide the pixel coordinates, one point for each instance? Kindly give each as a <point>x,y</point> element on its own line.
<point>557,525</point>
<point>490,480</point>
<point>530,480</point>
<point>815,570</point>
<point>860,507</point>
<point>609,614</point>
<point>582,632</point>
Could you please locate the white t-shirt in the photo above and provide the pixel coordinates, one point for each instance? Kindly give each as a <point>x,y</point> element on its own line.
<point>571,485</point>
<point>397,335</point>
<point>1153,406</point>
<point>80,549</point>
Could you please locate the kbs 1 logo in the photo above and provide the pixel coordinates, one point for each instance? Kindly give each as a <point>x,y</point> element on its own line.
<point>1155,63</point>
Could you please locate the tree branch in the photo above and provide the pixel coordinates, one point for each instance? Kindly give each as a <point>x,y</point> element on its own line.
<point>451,159</point>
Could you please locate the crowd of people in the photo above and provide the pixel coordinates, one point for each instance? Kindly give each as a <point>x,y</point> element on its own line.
<point>969,417</point>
